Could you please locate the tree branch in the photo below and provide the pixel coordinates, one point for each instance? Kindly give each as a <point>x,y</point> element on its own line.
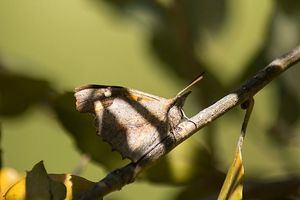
<point>127,174</point>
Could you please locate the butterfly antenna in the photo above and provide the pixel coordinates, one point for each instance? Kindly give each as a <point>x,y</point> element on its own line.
<point>196,80</point>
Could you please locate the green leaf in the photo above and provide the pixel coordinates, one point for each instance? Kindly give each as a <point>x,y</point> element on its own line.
<point>40,186</point>
<point>228,51</point>
<point>18,93</point>
<point>178,167</point>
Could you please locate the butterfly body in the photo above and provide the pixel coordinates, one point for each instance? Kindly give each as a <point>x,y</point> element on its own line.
<point>133,122</point>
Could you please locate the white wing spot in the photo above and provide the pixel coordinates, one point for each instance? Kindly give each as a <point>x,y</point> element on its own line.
<point>107,93</point>
<point>98,106</point>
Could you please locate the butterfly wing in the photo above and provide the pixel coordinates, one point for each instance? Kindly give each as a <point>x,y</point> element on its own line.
<point>132,122</point>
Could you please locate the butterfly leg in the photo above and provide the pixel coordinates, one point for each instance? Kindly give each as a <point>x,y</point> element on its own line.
<point>186,118</point>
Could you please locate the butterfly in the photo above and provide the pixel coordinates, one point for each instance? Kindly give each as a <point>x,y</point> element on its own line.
<point>131,121</point>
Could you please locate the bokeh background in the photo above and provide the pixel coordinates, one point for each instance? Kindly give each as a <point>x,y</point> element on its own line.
<point>47,48</point>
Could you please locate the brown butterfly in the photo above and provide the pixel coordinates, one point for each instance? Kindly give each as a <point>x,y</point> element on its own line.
<point>131,121</point>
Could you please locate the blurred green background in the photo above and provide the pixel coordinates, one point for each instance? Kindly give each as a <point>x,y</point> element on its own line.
<point>47,48</point>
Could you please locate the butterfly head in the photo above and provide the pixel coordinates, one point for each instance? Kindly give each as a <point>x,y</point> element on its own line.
<point>179,100</point>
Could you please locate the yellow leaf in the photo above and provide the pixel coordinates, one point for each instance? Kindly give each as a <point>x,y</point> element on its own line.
<point>8,177</point>
<point>233,185</point>
<point>39,185</point>
<point>17,191</point>
<point>75,185</point>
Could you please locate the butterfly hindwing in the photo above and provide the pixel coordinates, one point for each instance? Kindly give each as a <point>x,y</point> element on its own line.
<point>132,122</point>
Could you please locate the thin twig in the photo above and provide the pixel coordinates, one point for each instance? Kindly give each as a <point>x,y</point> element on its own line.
<point>127,174</point>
